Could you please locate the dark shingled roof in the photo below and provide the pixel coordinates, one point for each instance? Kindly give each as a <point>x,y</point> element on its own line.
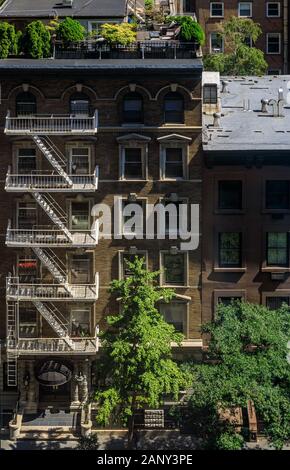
<point>80,8</point>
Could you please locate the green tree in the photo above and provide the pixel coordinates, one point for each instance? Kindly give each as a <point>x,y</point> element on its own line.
<point>137,357</point>
<point>70,30</point>
<point>124,33</point>
<point>8,40</point>
<point>239,59</point>
<point>88,443</point>
<point>190,29</point>
<point>247,361</point>
<point>36,41</point>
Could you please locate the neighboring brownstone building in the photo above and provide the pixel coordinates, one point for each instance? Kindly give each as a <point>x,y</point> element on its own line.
<point>246,192</point>
<point>272,16</point>
<point>74,134</point>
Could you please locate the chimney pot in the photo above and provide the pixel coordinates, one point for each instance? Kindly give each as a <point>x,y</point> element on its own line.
<point>225,86</point>
<point>264,104</point>
<point>217,120</point>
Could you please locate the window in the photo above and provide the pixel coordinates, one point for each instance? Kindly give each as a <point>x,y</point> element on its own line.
<point>230,195</point>
<point>248,41</point>
<point>273,43</point>
<point>173,269</point>
<point>274,72</point>
<point>25,104</point>
<point>217,9</point>
<point>80,215</point>
<point>174,108</point>
<point>175,314</point>
<point>80,269</point>
<point>216,43</point>
<point>26,160</point>
<point>276,302</point>
<point>132,163</point>
<point>227,300</point>
<point>133,109</point>
<point>80,321</point>
<point>172,225</point>
<point>230,249</point>
<point>80,160</point>
<point>210,94</point>
<point>278,194</point>
<point>173,164</point>
<point>138,216</point>
<point>277,249</point>
<point>26,215</point>
<point>128,257</point>
<point>245,9</point>
<point>273,9</point>
<point>188,6</point>
<point>27,322</point>
<point>79,104</point>
<point>27,269</point>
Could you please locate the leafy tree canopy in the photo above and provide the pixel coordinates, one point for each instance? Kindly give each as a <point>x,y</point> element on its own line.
<point>8,40</point>
<point>247,353</point>
<point>190,29</point>
<point>137,356</point>
<point>70,30</point>
<point>36,40</point>
<point>124,33</point>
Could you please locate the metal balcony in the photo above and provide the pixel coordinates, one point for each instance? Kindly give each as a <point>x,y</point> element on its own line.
<point>16,290</point>
<point>51,182</point>
<point>54,124</point>
<point>51,237</point>
<point>56,345</point>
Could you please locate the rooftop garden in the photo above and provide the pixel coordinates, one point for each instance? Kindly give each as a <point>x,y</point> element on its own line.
<point>69,38</point>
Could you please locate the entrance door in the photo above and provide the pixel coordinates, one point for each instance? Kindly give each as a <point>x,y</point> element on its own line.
<point>56,394</point>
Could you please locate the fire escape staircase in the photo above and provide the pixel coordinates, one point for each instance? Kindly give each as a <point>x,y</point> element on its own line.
<point>12,308</point>
<point>53,155</point>
<point>55,266</point>
<point>54,211</point>
<point>56,320</point>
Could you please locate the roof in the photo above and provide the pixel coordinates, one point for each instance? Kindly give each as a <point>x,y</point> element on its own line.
<point>152,66</point>
<point>79,9</point>
<point>243,126</point>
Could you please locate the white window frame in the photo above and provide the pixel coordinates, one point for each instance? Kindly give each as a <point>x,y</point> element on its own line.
<point>143,201</point>
<point>144,159</point>
<point>161,264</point>
<point>251,10</point>
<point>267,43</point>
<point>279,10</point>
<point>210,44</point>
<point>121,253</point>
<point>163,148</point>
<point>70,148</point>
<point>76,308</point>
<point>70,202</point>
<point>223,9</point>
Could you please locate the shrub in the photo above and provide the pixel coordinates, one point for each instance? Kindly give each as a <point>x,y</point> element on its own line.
<point>123,33</point>
<point>36,40</point>
<point>8,40</point>
<point>70,30</point>
<point>190,29</point>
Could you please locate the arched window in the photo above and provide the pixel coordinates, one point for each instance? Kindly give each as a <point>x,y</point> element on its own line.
<point>174,108</point>
<point>79,104</point>
<point>133,108</point>
<point>25,103</point>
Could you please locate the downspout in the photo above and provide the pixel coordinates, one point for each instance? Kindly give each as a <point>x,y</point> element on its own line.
<point>285,34</point>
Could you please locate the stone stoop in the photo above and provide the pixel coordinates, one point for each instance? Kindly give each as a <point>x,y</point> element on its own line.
<point>56,433</point>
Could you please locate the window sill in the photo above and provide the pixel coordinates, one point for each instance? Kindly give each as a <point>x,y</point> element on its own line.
<point>276,211</point>
<point>175,286</point>
<point>275,269</point>
<point>230,270</point>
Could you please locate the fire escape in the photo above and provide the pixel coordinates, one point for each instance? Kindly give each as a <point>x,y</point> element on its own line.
<point>45,241</point>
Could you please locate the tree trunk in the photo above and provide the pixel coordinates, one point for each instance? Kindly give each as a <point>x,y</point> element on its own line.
<point>131,434</point>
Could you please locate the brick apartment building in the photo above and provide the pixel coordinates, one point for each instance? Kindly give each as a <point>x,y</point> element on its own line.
<point>272,16</point>
<point>246,191</point>
<point>75,133</point>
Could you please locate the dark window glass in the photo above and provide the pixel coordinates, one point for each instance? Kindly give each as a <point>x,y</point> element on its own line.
<point>217,9</point>
<point>173,163</point>
<point>277,194</point>
<point>174,313</point>
<point>26,161</point>
<point>273,46</point>
<point>27,322</point>
<point>274,303</point>
<point>228,300</point>
<point>25,104</point>
<point>133,108</point>
<point>210,94</point>
<point>173,108</point>
<point>80,215</point>
<point>277,249</point>
<point>133,168</point>
<point>230,195</point>
<point>27,213</point>
<point>174,269</point>
<point>79,104</point>
<point>273,9</point>
<point>230,249</point>
<point>80,269</point>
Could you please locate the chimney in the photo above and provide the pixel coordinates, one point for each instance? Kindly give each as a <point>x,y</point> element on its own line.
<point>217,120</point>
<point>280,94</point>
<point>224,86</point>
<point>264,104</point>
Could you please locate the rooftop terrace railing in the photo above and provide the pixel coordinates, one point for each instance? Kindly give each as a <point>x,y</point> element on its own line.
<point>151,49</point>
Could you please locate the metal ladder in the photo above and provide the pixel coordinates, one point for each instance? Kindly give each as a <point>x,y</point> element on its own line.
<point>53,155</point>
<point>12,308</point>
